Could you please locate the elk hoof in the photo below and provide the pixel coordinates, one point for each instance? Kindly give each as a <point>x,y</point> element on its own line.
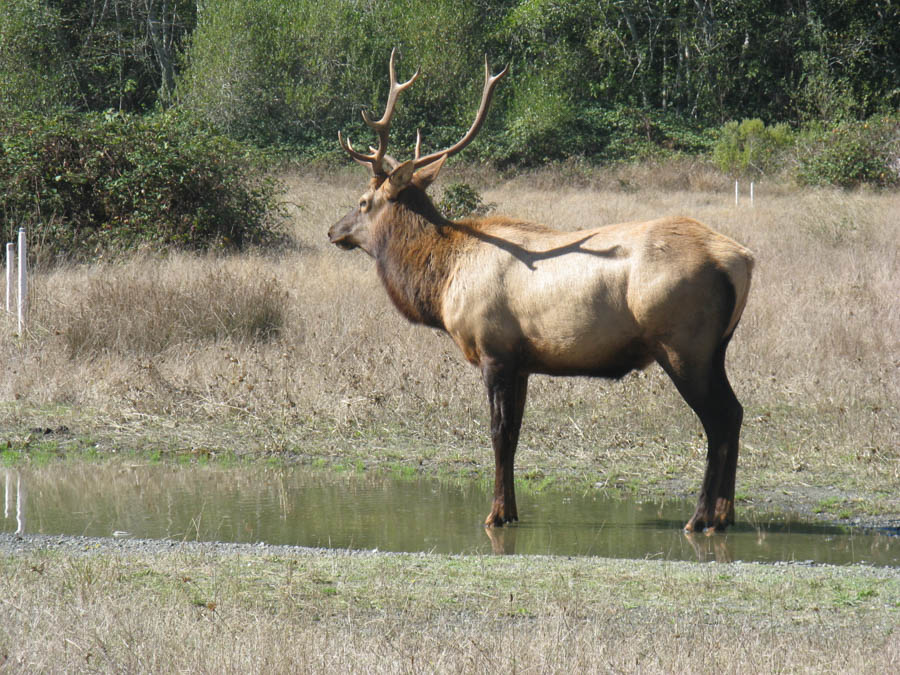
<point>698,523</point>
<point>502,511</point>
<point>724,513</point>
<point>498,520</point>
<point>709,520</point>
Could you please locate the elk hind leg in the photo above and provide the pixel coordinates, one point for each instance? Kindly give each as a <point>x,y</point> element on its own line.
<point>706,390</point>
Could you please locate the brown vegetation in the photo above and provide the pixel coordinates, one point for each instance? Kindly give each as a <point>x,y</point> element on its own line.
<point>300,351</point>
<point>187,609</point>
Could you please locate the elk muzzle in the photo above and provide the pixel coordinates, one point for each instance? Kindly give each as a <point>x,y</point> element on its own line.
<point>341,233</point>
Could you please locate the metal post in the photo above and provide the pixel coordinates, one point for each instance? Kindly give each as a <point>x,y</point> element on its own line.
<point>23,282</point>
<point>736,193</point>
<point>751,193</point>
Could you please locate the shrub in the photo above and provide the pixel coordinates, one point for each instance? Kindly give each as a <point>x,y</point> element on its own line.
<point>105,182</point>
<point>294,72</point>
<point>750,147</point>
<point>634,133</point>
<point>459,200</point>
<point>851,153</point>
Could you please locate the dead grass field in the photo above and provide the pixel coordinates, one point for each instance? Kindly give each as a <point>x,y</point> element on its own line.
<point>277,611</point>
<point>299,352</point>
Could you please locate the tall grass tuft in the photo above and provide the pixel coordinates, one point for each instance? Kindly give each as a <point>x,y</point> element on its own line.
<point>142,309</point>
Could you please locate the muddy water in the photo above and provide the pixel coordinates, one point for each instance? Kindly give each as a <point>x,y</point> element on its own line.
<point>361,511</point>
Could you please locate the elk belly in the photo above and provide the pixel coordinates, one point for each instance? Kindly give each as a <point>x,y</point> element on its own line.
<point>566,315</point>
<point>582,336</point>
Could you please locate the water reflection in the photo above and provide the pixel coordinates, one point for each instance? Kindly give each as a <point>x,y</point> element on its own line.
<point>16,495</point>
<point>364,511</point>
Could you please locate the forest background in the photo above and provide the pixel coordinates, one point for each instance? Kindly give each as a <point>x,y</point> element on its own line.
<point>124,122</point>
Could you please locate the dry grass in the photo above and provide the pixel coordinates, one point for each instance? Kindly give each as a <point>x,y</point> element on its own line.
<point>145,307</point>
<point>301,351</point>
<point>283,611</point>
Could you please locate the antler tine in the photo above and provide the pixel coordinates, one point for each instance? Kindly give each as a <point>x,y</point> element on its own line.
<point>358,156</point>
<point>385,120</point>
<point>382,126</point>
<point>490,81</point>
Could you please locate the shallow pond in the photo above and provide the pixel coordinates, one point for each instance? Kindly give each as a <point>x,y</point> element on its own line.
<point>305,507</point>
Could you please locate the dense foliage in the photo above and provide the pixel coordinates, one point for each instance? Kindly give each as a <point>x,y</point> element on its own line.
<point>603,79</point>
<point>93,182</point>
<point>91,54</point>
<point>851,154</point>
<point>815,84</point>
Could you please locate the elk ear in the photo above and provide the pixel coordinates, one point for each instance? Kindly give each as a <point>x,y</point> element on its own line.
<point>426,175</point>
<point>399,179</point>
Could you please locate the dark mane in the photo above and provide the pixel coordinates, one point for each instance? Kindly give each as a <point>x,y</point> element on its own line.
<point>414,253</point>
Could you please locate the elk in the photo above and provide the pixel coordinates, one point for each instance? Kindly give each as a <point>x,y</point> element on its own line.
<point>520,298</point>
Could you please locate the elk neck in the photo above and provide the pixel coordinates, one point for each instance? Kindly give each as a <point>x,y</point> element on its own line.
<point>415,249</point>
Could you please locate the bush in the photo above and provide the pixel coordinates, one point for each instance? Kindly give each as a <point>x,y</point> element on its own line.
<point>751,147</point>
<point>99,182</point>
<point>633,133</point>
<point>294,72</point>
<point>851,154</point>
<point>459,200</point>
<point>540,125</point>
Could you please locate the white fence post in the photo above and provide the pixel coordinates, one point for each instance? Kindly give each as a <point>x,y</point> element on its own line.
<point>736,193</point>
<point>751,194</point>
<point>9,277</point>
<point>23,282</point>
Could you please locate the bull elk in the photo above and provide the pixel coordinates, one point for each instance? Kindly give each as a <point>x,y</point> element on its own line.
<point>520,298</point>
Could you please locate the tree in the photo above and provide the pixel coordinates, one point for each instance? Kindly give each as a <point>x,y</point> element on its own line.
<point>33,69</point>
<point>124,54</point>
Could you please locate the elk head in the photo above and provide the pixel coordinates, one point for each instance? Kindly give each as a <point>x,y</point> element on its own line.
<point>389,177</point>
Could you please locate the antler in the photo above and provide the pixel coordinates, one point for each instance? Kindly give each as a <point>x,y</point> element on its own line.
<point>382,126</point>
<point>490,81</point>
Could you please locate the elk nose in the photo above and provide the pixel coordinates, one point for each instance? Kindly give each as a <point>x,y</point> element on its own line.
<point>341,230</point>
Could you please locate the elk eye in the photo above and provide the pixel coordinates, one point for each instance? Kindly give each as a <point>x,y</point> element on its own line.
<point>363,204</point>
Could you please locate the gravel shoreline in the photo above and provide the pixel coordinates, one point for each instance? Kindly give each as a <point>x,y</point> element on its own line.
<point>12,544</point>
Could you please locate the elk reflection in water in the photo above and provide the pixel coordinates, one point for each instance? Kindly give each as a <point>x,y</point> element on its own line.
<point>362,510</point>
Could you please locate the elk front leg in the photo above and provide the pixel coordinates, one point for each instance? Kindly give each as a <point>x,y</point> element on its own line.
<point>506,391</point>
